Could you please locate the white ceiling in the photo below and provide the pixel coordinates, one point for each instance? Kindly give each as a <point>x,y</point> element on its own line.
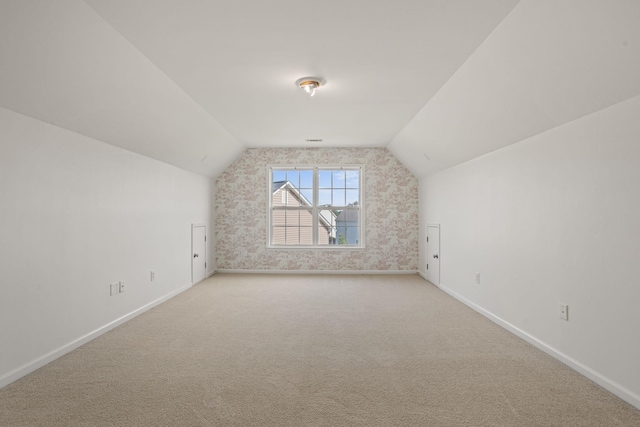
<point>193,83</point>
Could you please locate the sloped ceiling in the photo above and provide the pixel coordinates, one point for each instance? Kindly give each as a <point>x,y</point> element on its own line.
<point>193,83</point>
<point>547,63</point>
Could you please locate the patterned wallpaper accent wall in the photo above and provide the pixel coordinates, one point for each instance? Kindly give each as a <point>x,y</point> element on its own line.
<point>390,206</point>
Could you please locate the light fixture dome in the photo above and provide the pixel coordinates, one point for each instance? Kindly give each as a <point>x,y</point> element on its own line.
<point>309,84</point>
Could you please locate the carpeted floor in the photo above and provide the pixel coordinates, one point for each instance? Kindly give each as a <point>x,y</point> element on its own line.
<point>271,350</point>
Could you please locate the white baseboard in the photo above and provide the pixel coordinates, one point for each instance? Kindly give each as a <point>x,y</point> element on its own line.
<point>29,367</point>
<point>317,271</point>
<point>610,385</point>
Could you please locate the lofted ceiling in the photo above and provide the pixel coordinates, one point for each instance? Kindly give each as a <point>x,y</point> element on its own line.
<point>193,83</point>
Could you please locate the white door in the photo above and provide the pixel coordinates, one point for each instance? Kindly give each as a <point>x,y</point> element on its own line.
<point>433,253</point>
<point>198,253</point>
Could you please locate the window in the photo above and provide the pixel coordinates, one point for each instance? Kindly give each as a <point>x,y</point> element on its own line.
<point>315,206</point>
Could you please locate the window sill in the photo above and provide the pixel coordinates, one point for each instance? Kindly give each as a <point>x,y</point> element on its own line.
<point>317,248</point>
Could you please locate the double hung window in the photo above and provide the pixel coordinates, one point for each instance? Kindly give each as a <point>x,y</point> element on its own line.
<point>315,206</point>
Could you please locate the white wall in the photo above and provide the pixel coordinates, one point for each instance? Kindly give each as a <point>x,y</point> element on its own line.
<point>77,214</point>
<point>553,219</point>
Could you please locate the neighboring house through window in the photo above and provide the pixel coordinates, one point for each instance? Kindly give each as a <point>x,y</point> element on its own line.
<point>315,206</point>
<point>347,227</point>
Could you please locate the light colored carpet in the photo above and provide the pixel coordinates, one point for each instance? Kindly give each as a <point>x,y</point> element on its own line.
<point>249,350</point>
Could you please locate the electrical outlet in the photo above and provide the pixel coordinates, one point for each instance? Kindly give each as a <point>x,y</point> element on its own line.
<point>478,278</point>
<point>114,288</point>
<point>152,276</point>
<point>564,311</point>
<point>121,286</point>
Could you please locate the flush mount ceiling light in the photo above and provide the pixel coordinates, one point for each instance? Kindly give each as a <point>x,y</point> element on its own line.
<point>309,84</point>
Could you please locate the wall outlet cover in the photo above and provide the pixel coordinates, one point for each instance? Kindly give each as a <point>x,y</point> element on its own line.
<point>564,311</point>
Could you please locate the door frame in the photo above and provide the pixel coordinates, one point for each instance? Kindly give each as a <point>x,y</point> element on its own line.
<point>193,227</point>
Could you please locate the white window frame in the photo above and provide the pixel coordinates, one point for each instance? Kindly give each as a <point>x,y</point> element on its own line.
<point>314,206</point>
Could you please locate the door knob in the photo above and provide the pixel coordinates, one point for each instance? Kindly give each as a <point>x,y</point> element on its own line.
<point>195,255</point>
<point>436,256</point>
